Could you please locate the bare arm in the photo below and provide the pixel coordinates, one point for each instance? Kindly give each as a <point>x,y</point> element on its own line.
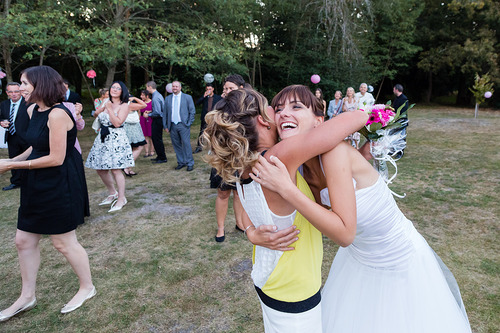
<point>59,124</point>
<point>137,105</point>
<point>340,224</point>
<point>298,149</point>
<point>118,119</point>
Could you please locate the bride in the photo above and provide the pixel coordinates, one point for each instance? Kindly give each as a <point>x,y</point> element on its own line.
<point>385,277</point>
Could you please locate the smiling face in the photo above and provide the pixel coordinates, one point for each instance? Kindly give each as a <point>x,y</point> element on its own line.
<point>13,92</point>
<point>26,88</point>
<point>338,95</point>
<point>294,117</point>
<point>176,87</point>
<point>363,88</point>
<point>350,92</point>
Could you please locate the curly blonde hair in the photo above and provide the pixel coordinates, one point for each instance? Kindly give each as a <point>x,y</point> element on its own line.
<point>231,134</point>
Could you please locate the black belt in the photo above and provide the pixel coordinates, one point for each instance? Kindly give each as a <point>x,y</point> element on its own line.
<point>289,307</point>
<point>105,131</point>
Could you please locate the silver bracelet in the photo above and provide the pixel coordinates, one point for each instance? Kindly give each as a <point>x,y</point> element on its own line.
<point>245,231</point>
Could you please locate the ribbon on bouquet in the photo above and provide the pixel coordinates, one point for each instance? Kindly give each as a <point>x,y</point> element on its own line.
<point>380,149</point>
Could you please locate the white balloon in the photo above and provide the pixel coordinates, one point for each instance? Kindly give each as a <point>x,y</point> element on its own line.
<point>168,88</point>
<point>209,78</point>
<point>370,89</point>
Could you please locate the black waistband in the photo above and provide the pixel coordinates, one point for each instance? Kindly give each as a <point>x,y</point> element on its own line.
<point>289,307</point>
<point>105,131</point>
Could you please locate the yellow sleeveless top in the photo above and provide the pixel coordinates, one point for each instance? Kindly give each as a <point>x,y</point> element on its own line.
<point>297,276</point>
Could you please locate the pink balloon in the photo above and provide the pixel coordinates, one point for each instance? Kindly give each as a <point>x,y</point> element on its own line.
<point>487,94</point>
<point>315,79</point>
<point>168,88</point>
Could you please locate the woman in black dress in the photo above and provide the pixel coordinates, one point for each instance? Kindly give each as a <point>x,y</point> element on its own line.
<point>54,197</point>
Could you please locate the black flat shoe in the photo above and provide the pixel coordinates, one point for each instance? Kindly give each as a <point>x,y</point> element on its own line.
<point>221,238</point>
<point>238,228</point>
<point>178,167</point>
<point>127,174</point>
<point>10,187</point>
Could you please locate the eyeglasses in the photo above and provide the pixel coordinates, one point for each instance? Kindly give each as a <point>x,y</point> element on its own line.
<point>116,88</point>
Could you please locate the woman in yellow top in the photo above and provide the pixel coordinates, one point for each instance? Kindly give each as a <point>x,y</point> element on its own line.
<point>237,133</point>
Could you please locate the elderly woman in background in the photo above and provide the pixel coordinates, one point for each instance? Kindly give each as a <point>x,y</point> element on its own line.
<point>54,197</point>
<point>351,104</point>
<point>111,150</point>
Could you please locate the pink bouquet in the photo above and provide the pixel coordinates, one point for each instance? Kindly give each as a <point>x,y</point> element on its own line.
<point>382,117</point>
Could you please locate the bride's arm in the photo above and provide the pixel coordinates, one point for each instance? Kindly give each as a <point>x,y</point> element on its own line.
<point>296,150</point>
<point>340,224</point>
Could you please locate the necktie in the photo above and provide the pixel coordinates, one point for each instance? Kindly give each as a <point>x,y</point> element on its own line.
<point>12,127</point>
<point>176,109</point>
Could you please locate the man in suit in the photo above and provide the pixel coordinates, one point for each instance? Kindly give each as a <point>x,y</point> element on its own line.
<point>15,120</point>
<point>400,101</point>
<point>71,96</point>
<point>158,122</point>
<point>209,100</point>
<point>179,111</point>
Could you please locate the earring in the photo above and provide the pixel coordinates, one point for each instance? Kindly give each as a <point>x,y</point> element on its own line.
<point>268,127</point>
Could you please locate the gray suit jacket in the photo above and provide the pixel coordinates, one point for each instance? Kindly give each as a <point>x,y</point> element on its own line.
<point>186,110</point>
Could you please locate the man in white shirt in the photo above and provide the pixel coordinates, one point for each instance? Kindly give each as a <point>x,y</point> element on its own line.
<point>364,97</point>
<point>180,111</point>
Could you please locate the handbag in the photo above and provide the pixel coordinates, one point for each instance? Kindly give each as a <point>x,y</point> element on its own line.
<point>132,118</point>
<point>96,125</point>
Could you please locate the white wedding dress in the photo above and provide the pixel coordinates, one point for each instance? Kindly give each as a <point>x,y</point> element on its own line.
<point>389,280</point>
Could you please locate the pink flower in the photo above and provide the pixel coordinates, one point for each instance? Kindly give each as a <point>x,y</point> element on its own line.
<point>91,74</point>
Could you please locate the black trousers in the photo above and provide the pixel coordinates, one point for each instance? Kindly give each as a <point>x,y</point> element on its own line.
<point>157,137</point>
<point>202,128</point>
<point>16,146</point>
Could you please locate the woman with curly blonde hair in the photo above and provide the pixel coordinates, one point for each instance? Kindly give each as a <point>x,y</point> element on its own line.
<point>238,132</point>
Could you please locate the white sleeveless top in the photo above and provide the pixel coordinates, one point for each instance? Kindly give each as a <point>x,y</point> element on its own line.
<point>255,204</point>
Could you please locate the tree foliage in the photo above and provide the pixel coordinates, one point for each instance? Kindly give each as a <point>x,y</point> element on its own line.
<point>272,43</point>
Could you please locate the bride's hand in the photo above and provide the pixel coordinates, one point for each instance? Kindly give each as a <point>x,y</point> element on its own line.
<point>273,176</point>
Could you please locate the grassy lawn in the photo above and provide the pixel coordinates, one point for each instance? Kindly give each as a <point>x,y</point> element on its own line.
<point>157,268</point>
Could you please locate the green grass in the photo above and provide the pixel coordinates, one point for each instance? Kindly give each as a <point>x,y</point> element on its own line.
<point>157,267</point>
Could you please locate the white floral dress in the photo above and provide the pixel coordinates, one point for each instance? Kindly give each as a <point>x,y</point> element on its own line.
<point>112,153</point>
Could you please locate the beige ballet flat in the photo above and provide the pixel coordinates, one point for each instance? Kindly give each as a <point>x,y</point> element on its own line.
<point>109,199</point>
<point>27,307</point>
<point>68,309</point>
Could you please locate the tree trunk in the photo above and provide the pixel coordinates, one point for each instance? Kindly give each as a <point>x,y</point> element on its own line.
<point>111,75</point>
<point>428,93</point>
<point>128,73</point>
<point>6,54</point>
<point>7,59</point>
<point>42,55</point>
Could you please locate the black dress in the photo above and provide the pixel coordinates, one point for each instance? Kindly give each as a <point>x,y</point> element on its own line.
<point>53,200</point>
